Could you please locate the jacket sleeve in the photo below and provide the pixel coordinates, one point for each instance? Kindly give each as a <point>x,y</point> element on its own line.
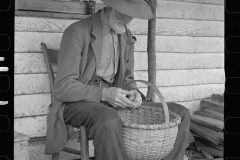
<point>129,74</point>
<point>67,88</point>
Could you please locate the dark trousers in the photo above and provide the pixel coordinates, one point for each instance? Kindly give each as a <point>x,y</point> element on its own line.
<point>104,128</point>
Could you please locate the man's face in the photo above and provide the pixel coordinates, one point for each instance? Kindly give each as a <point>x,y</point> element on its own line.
<point>118,21</point>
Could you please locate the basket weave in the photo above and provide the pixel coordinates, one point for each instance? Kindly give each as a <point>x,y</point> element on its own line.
<point>147,133</point>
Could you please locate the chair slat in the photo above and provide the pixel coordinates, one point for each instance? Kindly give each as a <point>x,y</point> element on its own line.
<point>53,54</point>
<point>49,68</point>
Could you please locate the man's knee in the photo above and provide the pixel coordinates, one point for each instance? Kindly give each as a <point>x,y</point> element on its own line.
<point>113,124</point>
<point>107,121</point>
<point>109,127</point>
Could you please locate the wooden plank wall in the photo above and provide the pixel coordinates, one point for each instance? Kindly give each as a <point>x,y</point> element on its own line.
<point>190,57</point>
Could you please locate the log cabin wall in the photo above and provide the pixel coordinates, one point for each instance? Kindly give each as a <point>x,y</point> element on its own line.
<point>189,50</point>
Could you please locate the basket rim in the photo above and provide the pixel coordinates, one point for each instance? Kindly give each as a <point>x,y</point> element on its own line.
<point>173,123</point>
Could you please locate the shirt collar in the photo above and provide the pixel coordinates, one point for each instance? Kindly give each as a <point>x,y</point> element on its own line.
<point>105,22</point>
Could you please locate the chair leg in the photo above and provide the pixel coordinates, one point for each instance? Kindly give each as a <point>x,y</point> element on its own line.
<point>84,143</point>
<point>56,156</point>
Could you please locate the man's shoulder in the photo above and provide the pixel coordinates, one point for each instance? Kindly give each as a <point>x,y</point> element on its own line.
<point>81,25</point>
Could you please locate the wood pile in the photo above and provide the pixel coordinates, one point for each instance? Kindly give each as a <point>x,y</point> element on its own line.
<point>207,126</point>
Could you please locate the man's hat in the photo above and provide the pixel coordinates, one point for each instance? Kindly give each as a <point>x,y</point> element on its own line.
<point>135,8</point>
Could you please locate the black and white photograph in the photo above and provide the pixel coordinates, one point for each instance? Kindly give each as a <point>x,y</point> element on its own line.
<point>118,79</point>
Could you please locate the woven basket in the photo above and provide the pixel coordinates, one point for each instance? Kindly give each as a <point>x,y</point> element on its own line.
<point>149,132</point>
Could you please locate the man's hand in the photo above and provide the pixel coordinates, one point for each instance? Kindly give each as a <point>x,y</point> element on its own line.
<point>117,97</point>
<point>135,97</point>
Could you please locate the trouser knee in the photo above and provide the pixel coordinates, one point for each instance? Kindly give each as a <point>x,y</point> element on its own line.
<point>107,122</point>
<point>111,126</point>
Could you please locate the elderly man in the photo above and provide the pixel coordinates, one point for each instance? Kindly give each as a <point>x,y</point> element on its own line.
<point>96,60</point>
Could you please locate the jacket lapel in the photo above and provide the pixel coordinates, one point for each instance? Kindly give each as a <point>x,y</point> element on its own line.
<point>97,32</point>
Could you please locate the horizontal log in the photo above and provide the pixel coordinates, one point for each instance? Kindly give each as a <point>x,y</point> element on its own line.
<point>30,63</point>
<point>30,42</point>
<point>31,126</point>
<point>182,44</point>
<point>180,27</point>
<point>52,6</point>
<point>20,151</point>
<point>204,91</point>
<point>202,10</point>
<point>35,126</point>
<point>39,24</point>
<point>214,152</point>
<point>31,105</point>
<point>31,83</point>
<point>195,135</point>
<point>208,143</point>
<point>199,112</point>
<point>43,14</point>
<point>37,105</point>
<point>176,61</point>
<point>35,63</point>
<point>217,97</point>
<point>39,83</point>
<point>212,109</point>
<point>216,114</point>
<point>206,133</point>
<point>184,77</point>
<point>208,122</point>
<point>219,135</point>
<point>187,93</point>
<point>185,10</point>
<point>37,150</point>
<point>177,27</point>
<point>215,103</point>
<point>210,106</point>
<point>216,2</point>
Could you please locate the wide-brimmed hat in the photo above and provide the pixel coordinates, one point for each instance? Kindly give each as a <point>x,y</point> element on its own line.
<point>134,8</point>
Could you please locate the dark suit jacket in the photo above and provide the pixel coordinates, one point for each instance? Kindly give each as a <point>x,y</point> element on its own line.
<point>79,55</point>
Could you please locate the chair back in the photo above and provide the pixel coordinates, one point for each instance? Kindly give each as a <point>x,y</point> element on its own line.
<point>51,57</point>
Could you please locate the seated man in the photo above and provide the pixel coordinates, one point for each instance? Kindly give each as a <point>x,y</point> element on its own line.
<point>95,62</point>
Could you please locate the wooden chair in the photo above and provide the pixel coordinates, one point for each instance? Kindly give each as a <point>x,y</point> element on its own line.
<point>51,57</point>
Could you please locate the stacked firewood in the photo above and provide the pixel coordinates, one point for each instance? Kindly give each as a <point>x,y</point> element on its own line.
<point>207,126</point>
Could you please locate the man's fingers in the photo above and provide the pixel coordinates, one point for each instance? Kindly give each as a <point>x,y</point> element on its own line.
<point>126,101</point>
<point>115,105</point>
<point>131,98</point>
<point>123,98</point>
<point>118,103</point>
<point>128,93</point>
